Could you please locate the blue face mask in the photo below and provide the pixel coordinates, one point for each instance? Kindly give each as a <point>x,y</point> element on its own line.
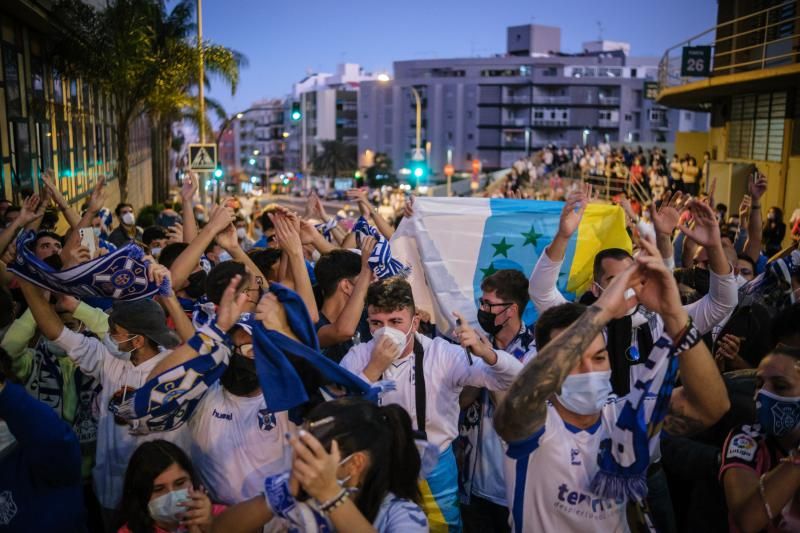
<point>586,394</point>
<point>777,415</point>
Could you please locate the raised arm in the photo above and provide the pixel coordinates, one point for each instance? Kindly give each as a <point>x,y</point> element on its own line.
<point>72,216</point>
<point>757,187</point>
<point>188,260</point>
<point>360,195</point>
<point>524,409</point>
<point>47,319</point>
<point>289,242</point>
<point>345,325</point>
<point>30,212</point>
<point>665,219</point>
<point>188,190</point>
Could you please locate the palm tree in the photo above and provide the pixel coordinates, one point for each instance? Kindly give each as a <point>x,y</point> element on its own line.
<point>140,55</point>
<point>174,96</point>
<point>336,157</point>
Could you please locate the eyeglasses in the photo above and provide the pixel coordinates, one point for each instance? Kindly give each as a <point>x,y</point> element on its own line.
<point>244,349</point>
<point>485,304</point>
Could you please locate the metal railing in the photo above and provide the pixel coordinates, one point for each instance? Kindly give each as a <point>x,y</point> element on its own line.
<point>763,39</point>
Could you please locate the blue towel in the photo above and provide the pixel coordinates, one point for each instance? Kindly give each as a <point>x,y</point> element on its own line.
<point>292,372</point>
<point>381,260</point>
<point>121,275</point>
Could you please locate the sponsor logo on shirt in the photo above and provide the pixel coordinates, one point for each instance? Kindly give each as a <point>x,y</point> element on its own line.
<point>742,447</point>
<point>222,416</point>
<point>574,457</point>
<point>585,505</point>
<point>266,420</point>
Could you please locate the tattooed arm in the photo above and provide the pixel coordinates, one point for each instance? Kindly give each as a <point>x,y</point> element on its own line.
<point>524,408</point>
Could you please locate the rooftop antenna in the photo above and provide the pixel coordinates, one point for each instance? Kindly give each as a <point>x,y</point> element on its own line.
<point>599,31</point>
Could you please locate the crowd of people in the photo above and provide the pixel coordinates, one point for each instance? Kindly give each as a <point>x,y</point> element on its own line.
<point>245,367</point>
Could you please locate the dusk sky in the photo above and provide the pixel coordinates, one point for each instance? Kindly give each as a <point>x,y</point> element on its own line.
<point>285,40</point>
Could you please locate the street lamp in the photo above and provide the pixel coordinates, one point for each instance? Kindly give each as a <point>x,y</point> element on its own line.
<point>256,152</point>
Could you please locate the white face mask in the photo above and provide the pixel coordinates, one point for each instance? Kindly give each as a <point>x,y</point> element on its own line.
<point>113,346</point>
<point>224,256</point>
<point>241,233</point>
<point>165,508</point>
<point>97,231</point>
<point>585,394</point>
<point>6,438</point>
<point>740,281</point>
<point>399,338</point>
<point>155,252</point>
<point>127,219</point>
<point>258,233</point>
<point>315,255</point>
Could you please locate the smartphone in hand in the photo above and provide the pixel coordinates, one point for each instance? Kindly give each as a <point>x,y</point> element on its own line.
<point>87,240</point>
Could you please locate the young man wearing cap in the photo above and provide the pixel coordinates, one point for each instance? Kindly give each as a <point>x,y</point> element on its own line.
<point>138,339</point>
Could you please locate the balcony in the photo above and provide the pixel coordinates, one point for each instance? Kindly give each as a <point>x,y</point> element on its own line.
<point>607,123</point>
<point>749,53</point>
<point>537,99</point>
<point>515,121</point>
<point>521,99</point>
<point>552,122</point>
<point>608,100</point>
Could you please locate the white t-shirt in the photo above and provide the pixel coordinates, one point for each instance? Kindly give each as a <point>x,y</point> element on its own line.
<point>115,444</point>
<point>549,474</point>
<point>236,443</point>
<point>447,372</point>
<point>396,515</point>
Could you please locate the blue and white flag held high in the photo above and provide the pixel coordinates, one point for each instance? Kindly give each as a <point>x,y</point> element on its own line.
<point>451,244</point>
<point>383,265</point>
<point>121,275</point>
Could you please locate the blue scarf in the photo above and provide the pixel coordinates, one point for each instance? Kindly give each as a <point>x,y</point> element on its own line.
<point>381,259</point>
<point>326,228</point>
<point>291,372</point>
<point>121,275</point>
<point>614,480</point>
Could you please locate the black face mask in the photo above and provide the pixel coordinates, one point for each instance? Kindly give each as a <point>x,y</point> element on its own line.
<point>702,280</point>
<point>240,379</point>
<point>486,321</point>
<point>197,284</point>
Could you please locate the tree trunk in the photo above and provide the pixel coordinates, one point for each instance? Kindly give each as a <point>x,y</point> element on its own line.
<point>166,142</point>
<point>123,137</point>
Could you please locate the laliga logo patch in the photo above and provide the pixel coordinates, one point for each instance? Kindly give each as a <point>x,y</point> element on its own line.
<point>742,447</point>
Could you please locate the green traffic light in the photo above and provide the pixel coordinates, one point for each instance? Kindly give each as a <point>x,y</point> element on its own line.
<point>252,161</point>
<point>296,115</point>
<point>418,172</point>
<point>218,173</point>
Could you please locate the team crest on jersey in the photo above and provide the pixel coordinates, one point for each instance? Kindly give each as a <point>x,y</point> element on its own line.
<point>266,420</point>
<point>742,447</point>
<point>8,509</point>
<point>574,456</point>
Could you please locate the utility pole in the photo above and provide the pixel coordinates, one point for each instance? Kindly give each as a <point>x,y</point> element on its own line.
<point>303,141</point>
<point>201,94</point>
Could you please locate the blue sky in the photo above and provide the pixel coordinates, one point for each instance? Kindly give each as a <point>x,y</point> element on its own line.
<point>283,40</point>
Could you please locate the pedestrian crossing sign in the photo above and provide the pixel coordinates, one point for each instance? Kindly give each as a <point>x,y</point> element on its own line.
<point>202,156</point>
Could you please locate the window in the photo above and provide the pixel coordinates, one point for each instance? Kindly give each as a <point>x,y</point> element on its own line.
<point>628,117</point>
<point>550,71</point>
<point>756,126</point>
<point>11,70</point>
<point>469,136</point>
<point>495,73</point>
<point>656,115</point>
<point>525,70</point>
<point>633,73</point>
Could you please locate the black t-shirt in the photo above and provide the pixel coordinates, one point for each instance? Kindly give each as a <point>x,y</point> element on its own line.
<point>338,351</point>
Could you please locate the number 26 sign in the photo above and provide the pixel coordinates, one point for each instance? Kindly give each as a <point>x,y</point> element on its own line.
<point>696,61</point>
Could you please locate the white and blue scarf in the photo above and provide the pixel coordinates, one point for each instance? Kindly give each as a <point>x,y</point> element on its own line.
<point>121,274</point>
<point>381,261</point>
<point>624,456</point>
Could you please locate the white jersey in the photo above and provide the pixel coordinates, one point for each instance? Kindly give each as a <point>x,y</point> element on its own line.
<point>236,443</point>
<point>447,372</point>
<point>115,444</point>
<point>549,474</point>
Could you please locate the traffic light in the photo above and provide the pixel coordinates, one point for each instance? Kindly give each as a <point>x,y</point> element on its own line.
<point>218,173</point>
<point>296,113</point>
<point>252,161</point>
<point>419,171</point>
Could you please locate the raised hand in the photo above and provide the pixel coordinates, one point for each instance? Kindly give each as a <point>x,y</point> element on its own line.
<point>408,207</point>
<point>157,273</point>
<point>175,233</point>
<point>221,218</point>
<point>315,468</point>
<point>288,236</point>
<point>615,301</point>
<point>573,211</point>
<point>272,314</point>
<point>728,347</point>
<point>757,186</point>
<point>744,208</point>
<point>227,238</point>
<point>231,305</point>
<point>657,289</point>
<point>189,187</point>
<point>308,232</point>
<point>367,246</point>
<point>98,197</point>
<point>472,340</point>
<point>30,210</point>
<point>666,218</point>
<point>706,228</point>
<point>198,515</point>
<point>75,256</point>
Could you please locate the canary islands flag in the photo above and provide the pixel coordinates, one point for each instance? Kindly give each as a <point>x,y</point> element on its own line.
<point>451,244</point>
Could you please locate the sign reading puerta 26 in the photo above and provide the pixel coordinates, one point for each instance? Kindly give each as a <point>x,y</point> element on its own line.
<point>696,62</point>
